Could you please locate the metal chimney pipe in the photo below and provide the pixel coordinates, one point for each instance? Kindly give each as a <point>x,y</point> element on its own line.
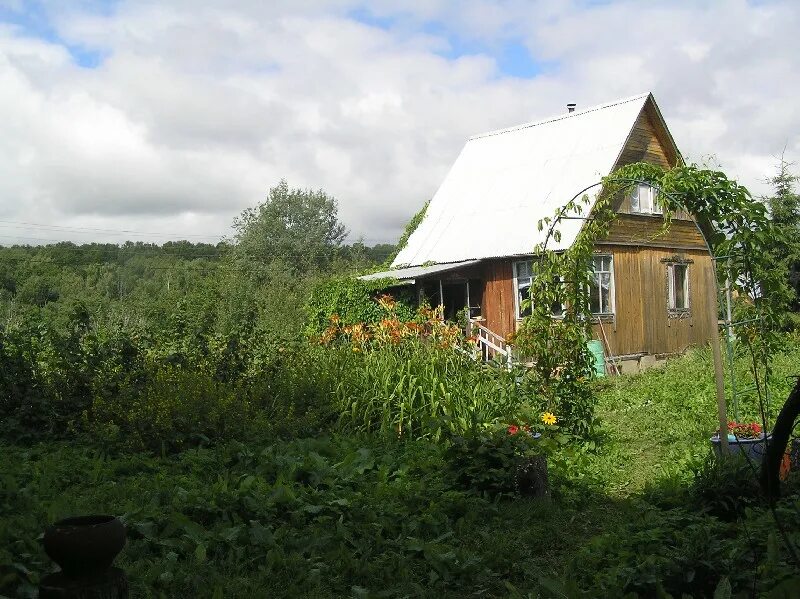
<point>571,107</point>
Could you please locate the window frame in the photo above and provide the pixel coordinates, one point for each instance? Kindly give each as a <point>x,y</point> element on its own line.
<point>654,207</point>
<point>517,303</point>
<point>672,308</point>
<point>612,293</point>
<point>515,269</point>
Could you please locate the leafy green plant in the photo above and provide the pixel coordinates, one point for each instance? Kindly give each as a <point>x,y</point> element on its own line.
<point>351,301</point>
<point>487,461</point>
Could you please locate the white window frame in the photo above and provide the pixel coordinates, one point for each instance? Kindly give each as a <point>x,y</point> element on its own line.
<point>644,200</point>
<point>612,292</point>
<point>517,278</point>
<point>671,298</point>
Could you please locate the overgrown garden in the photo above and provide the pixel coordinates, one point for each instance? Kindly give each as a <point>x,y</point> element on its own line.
<point>266,426</point>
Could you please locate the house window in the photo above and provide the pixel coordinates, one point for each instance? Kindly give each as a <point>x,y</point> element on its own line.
<point>523,272</point>
<point>601,290</point>
<point>644,200</point>
<point>678,287</point>
<point>523,278</point>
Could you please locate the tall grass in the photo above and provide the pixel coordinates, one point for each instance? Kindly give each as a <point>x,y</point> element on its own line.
<point>417,390</point>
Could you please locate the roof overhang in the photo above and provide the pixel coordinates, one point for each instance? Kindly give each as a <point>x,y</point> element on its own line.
<point>408,275</point>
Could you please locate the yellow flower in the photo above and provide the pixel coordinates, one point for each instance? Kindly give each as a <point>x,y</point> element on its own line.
<point>549,418</point>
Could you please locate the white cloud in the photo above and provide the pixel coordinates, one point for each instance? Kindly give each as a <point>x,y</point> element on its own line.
<point>199,107</point>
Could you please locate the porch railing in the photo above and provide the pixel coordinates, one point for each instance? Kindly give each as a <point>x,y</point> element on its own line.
<point>489,345</point>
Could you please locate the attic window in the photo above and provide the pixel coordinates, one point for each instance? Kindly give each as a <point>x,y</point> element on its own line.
<point>644,200</point>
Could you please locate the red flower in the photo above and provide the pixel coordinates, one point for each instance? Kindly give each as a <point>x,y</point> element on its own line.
<point>513,429</point>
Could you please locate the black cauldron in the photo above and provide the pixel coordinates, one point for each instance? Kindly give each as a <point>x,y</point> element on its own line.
<point>84,545</point>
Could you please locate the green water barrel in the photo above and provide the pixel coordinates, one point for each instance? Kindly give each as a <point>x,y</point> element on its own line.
<point>596,347</point>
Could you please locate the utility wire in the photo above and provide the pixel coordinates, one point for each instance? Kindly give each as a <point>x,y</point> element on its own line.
<point>77,229</point>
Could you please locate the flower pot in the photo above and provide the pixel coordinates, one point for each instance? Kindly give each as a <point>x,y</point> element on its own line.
<point>753,448</point>
<point>84,545</point>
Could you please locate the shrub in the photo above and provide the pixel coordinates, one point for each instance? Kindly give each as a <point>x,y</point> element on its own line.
<point>175,409</point>
<point>488,462</point>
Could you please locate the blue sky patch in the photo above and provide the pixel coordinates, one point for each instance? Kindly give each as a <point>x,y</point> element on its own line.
<point>512,56</point>
<point>34,21</point>
<point>367,17</point>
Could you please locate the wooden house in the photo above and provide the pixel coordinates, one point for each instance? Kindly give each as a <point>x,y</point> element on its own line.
<point>473,248</point>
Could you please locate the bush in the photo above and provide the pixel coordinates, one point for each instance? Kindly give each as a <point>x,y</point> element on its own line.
<point>725,488</point>
<point>175,409</point>
<point>688,554</point>
<point>488,462</point>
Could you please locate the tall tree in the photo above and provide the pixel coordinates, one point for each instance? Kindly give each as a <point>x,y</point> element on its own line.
<point>297,227</point>
<point>784,209</point>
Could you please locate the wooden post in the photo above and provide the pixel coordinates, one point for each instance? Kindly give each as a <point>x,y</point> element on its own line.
<point>719,372</point>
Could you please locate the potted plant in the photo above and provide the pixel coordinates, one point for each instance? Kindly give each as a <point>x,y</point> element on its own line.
<point>746,438</point>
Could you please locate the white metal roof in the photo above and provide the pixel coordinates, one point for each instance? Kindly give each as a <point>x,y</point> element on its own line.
<point>505,181</point>
<point>410,274</point>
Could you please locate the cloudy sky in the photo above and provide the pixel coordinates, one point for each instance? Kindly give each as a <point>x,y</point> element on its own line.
<point>165,119</point>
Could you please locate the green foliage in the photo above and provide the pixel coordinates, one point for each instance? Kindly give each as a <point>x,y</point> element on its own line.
<point>784,211</point>
<point>487,461</point>
<point>193,355</point>
<point>557,347</point>
<point>419,390</point>
<point>352,301</point>
<point>407,232</point>
<point>680,553</point>
<point>324,516</point>
<point>309,518</point>
<point>724,488</point>
<point>297,227</point>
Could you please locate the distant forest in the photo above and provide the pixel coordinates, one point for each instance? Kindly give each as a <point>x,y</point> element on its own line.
<point>261,277</point>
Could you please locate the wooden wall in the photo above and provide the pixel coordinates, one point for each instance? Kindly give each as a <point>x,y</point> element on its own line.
<point>498,296</point>
<point>645,229</point>
<point>642,323</point>
<point>648,142</point>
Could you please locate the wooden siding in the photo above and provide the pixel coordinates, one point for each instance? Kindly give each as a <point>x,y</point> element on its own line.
<point>648,142</point>
<point>639,230</point>
<point>498,296</point>
<point>642,323</point>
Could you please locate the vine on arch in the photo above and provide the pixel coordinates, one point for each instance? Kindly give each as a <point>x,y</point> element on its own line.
<point>734,225</point>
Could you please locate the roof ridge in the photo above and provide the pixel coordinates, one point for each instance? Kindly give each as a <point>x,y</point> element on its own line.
<point>560,117</point>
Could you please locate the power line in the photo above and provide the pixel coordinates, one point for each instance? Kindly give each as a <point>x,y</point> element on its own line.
<point>77,229</point>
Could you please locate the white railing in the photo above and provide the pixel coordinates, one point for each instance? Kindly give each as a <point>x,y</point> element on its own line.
<point>489,345</point>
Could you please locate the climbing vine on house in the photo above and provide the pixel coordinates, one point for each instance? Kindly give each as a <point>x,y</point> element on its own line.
<point>556,346</point>
<point>734,224</point>
<point>352,301</point>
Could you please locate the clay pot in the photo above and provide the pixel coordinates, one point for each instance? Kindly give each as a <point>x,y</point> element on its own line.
<point>84,545</point>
